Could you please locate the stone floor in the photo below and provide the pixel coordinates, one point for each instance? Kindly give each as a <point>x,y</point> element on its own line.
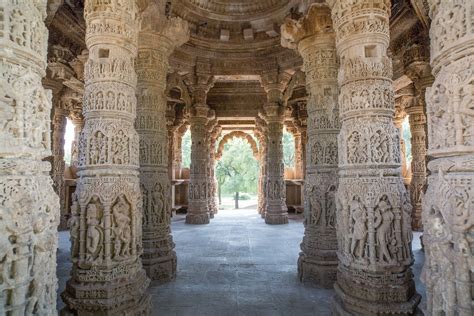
<point>236,265</point>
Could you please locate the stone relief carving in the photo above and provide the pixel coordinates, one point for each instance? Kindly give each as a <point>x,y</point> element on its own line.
<point>29,205</point>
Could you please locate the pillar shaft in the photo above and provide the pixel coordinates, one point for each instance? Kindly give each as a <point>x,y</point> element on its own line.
<point>276,211</point>
<point>29,207</point>
<point>78,126</point>
<point>159,257</point>
<point>198,211</point>
<point>448,203</point>
<point>373,207</point>
<point>315,40</point>
<point>417,119</point>
<point>59,130</point>
<point>106,223</point>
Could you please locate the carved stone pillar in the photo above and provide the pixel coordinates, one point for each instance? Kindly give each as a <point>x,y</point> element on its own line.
<point>214,134</point>
<point>419,72</point>
<point>417,119</point>
<point>157,40</point>
<point>276,211</point>
<point>262,148</point>
<point>78,121</point>
<point>298,155</point>
<point>29,207</point>
<point>448,216</point>
<point>373,208</point>
<point>314,38</point>
<point>106,222</point>
<point>198,211</point>
<point>398,119</point>
<point>59,130</point>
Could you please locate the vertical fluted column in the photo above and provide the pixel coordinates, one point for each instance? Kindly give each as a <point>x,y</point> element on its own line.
<point>157,40</point>
<point>29,207</point>
<point>448,204</point>
<point>373,207</point>
<point>276,211</point>
<point>59,130</point>
<point>198,212</point>
<point>106,224</point>
<point>314,38</point>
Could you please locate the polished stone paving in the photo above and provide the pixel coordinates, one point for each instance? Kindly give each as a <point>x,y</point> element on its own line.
<point>237,265</point>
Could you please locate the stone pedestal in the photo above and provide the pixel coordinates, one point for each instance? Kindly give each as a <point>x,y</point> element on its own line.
<point>29,207</point>
<point>158,38</point>
<point>373,208</point>
<point>314,38</point>
<point>106,223</point>
<point>448,216</point>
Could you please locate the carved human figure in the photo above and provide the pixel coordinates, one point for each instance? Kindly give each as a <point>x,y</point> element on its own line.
<point>121,229</point>
<point>73,224</point>
<point>383,219</point>
<point>94,233</point>
<point>359,229</point>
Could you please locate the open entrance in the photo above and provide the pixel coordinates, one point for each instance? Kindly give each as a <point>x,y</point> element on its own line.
<point>237,171</point>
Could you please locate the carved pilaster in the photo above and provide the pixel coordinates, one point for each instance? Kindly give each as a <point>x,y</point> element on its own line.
<point>314,38</point>
<point>448,217</point>
<point>373,208</point>
<point>29,207</point>
<point>106,225</point>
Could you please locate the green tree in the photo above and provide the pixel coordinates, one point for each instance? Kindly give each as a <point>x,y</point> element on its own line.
<point>186,149</point>
<point>288,142</point>
<point>237,170</point>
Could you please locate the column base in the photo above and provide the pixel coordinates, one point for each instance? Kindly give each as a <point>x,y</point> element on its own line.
<point>276,219</point>
<point>197,219</point>
<point>386,294</point>
<point>161,270</point>
<point>315,272</point>
<point>108,298</point>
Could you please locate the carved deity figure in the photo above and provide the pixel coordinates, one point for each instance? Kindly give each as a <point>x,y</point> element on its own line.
<point>73,224</point>
<point>359,228</point>
<point>157,202</point>
<point>330,207</point>
<point>315,206</point>
<point>94,233</point>
<point>384,233</point>
<point>121,229</point>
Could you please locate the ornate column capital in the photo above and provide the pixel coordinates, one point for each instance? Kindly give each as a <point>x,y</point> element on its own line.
<point>314,24</point>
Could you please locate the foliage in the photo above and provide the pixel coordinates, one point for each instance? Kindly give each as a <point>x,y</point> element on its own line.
<point>288,142</point>
<point>237,170</point>
<point>186,149</point>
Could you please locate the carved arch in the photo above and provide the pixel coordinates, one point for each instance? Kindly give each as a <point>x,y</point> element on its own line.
<point>238,134</point>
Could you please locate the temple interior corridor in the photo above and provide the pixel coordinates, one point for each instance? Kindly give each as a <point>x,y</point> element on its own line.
<point>236,266</point>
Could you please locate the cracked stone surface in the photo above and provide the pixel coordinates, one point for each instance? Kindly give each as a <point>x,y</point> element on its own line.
<point>237,266</point>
